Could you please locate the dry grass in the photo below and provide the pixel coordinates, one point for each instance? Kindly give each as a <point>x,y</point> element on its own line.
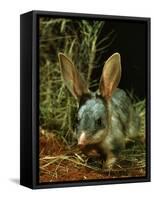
<point>59,160</point>
<point>62,162</point>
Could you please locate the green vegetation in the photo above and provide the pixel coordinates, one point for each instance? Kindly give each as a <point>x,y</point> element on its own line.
<point>78,39</point>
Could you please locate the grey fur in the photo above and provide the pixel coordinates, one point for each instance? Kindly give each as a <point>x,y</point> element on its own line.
<point>105,121</point>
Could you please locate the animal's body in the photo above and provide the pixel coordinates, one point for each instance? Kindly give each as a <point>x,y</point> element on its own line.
<point>106,119</point>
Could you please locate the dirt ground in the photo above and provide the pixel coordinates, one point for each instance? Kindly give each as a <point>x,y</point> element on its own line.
<point>61,162</point>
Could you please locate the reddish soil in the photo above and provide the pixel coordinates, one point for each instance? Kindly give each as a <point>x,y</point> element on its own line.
<point>60,162</point>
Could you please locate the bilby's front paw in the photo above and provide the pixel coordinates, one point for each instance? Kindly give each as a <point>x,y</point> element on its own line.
<point>110,162</point>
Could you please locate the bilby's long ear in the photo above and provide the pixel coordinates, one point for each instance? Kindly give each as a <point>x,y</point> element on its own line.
<point>72,78</point>
<point>111,75</point>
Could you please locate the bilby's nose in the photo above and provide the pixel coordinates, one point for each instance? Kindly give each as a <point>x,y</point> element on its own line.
<point>82,139</point>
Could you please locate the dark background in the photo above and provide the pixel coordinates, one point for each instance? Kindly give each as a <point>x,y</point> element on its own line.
<point>131,42</point>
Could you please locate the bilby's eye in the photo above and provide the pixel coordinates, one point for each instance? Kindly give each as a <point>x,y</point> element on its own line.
<point>99,122</point>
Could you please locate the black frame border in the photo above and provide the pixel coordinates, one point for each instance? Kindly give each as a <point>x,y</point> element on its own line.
<point>29,101</point>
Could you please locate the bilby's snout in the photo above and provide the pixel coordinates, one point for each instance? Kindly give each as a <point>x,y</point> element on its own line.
<point>91,121</point>
<point>82,139</point>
